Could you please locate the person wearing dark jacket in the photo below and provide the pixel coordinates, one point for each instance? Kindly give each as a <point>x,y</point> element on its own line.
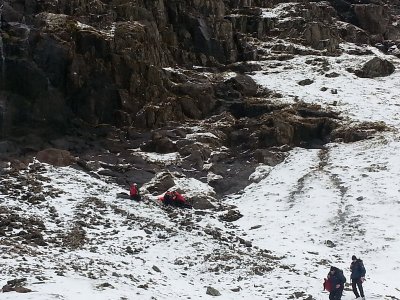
<point>336,277</point>
<point>357,276</point>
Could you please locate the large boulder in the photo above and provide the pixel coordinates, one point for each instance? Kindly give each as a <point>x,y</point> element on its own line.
<point>161,183</point>
<point>376,67</point>
<point>243,84</point>
<point>201,202</point>
<point>56,157</point>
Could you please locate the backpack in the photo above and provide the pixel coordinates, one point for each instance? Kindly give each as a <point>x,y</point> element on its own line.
<point>361,267</point>
<point>342,277</point>
<point>167,197</point>
<point>328,285</point>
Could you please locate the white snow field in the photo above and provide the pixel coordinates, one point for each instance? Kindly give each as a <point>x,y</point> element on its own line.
<point>317,208</point>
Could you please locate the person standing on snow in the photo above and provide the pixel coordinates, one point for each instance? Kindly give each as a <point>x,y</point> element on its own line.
<point>337,279</point>
<point>134,192</point>
<point>357,276</point>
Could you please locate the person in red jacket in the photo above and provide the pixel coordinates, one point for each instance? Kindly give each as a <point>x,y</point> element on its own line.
<point>179,200</point>
<point>175,199</point>
<point>178,197</point>
<point>134,192</point>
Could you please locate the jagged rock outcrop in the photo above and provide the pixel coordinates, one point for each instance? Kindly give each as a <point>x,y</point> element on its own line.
<point>96,72</point>
<point>108,68</point>
<point>377,18</point>
<point>371,17</point>
<point>103,61</point>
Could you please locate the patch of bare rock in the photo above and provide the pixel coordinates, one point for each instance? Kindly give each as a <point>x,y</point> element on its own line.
<point>16,285</point>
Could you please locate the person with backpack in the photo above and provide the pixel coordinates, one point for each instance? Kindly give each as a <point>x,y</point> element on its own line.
<point>167,198</point>
<point>134,192</point>
<point>179,200</point>
<point>336,280</point>
<point>175,199</point>
<point>357,276</point>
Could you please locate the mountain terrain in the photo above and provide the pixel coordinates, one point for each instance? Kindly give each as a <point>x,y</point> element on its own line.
<point>278,120</point>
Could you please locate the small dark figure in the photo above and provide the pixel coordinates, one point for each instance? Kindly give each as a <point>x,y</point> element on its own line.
<point>357,276</point>
<point>175,199</point>
<point>134,192</point>
<point>337,280</point>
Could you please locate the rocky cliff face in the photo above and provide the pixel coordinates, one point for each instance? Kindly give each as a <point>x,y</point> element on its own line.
<point>104,61</point>
<point>115,69</point>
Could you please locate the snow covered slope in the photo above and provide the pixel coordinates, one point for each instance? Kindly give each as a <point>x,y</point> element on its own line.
<point>316,209</point>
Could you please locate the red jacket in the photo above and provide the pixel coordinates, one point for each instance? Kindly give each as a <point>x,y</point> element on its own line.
<point>328,285</point>
<point>178,197</point>
<point>166,196</point>
<point>134,190</point>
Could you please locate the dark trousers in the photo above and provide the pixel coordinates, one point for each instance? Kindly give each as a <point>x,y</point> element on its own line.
<point>357,283</point>
<point>336,294</point>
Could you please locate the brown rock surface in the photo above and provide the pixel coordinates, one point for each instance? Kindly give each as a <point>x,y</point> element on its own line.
<point>56,157</point>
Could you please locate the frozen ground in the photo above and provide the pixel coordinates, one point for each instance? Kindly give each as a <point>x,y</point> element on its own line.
<point>346,193</point>
<point>361,99</point>
<point>315,209</point>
